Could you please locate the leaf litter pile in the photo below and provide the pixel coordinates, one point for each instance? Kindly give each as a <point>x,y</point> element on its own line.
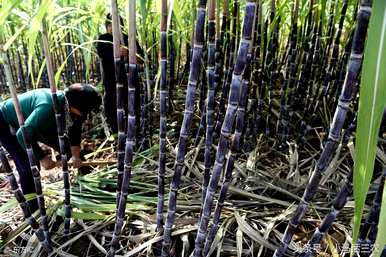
<point>265,187</point>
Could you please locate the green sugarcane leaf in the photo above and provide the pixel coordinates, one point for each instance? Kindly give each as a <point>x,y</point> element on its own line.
<point>6,10</point>
<point>12,203</point>
<point>372,102</point>
<point>380,242</point>
<point>13,38</point>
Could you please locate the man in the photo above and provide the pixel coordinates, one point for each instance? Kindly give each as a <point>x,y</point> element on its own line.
<point>76,102</point>
<point>106,53</point>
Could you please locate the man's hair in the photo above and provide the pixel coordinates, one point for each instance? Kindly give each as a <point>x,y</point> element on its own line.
<point>83,97</point>
<point>109,20</point>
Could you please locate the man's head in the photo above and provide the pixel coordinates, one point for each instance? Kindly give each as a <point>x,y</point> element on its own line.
<point>82,99</point>
<point>108,23</point>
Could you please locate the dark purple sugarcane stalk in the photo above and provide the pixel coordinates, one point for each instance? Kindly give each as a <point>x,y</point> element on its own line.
<point>210,99</point>
<point>230,53</point>
<point>255,59</point>
<point>20,72</point>
<point>171,66</point>
<point>349,88</point>
<point>2,80</point>
<point>370,228</point>
<point>162,128</point>
<point>121,113</point>
<point>258,78</point>
<point>219,41</point>
<point>131,125</point>
<point>306,77</point>
<point>325,51</point>
<point>314,64</point>
<point>70,61</point>
<point>335,51</point>
<point>23,203</point>
<point>60,125</point>
<point>202,124</point>
<point>27,75</point>
<point>235,149</point>
<point>339,202</point>
<point>340,73</point>
<point>337,206</point>
<point>28,144</point>
<point>186,124</point>
<point>289,80</point>
<point>223,145</point>
<point>271,65</point>
<point>143,124</point>
<point>300,91</point>
<point>350,130</point>
<point>319,60</point>
<point>224,89</point>
<point>222,39</point>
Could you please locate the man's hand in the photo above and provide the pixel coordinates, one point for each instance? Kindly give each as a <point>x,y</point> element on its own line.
<point>47,163</point>
<point>123,51</point>
<point>75,162</point>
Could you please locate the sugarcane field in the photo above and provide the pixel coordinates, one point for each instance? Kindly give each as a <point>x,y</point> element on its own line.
<point>197,128</point>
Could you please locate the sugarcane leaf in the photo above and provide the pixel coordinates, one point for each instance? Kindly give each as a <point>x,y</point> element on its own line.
<point>12,203</point>
<point>372,100</point>
<point>380,242</point>
<point>13,38</point>
<point>83,215</point>
<point>34,29</point>
<point>7,7</point>
<point>9,205</point>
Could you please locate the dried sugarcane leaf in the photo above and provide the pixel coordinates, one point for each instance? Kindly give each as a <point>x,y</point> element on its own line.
<point>252,233</point>
<point>239,239</point>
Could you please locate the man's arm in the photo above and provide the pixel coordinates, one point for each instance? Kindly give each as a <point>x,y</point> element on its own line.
<point>74,133</point>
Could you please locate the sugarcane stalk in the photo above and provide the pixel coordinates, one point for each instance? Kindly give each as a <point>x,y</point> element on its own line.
<point>231,48</point>
<point>370,228</point>
<point>121,113</point>
<point>301,89</point>
<point>171,66</point>
<point>186,124</point>
<point>162,130</point>
<point>271,65</point>
<point>221,40</point>
<point>222,148</point>
<point>255,85</point>
<point>235,149</point>
<point>131,123</point>
<point>337,206</point>
<point>349,88</point>
<point>285,97</point>
<point>259,55</point>
<point>23,203</point>
<point>335,51</point>
<point>210,99</point>
<point>61,127</point>
<point>202,123</point>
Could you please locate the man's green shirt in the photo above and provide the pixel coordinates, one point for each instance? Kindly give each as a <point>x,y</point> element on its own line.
<point>37,108</point>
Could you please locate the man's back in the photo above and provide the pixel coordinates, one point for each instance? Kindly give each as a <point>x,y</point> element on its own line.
<point>37,108</point>
<point>38,99</point>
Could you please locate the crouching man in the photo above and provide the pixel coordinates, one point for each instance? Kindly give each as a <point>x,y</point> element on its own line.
<point>76,102</point>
